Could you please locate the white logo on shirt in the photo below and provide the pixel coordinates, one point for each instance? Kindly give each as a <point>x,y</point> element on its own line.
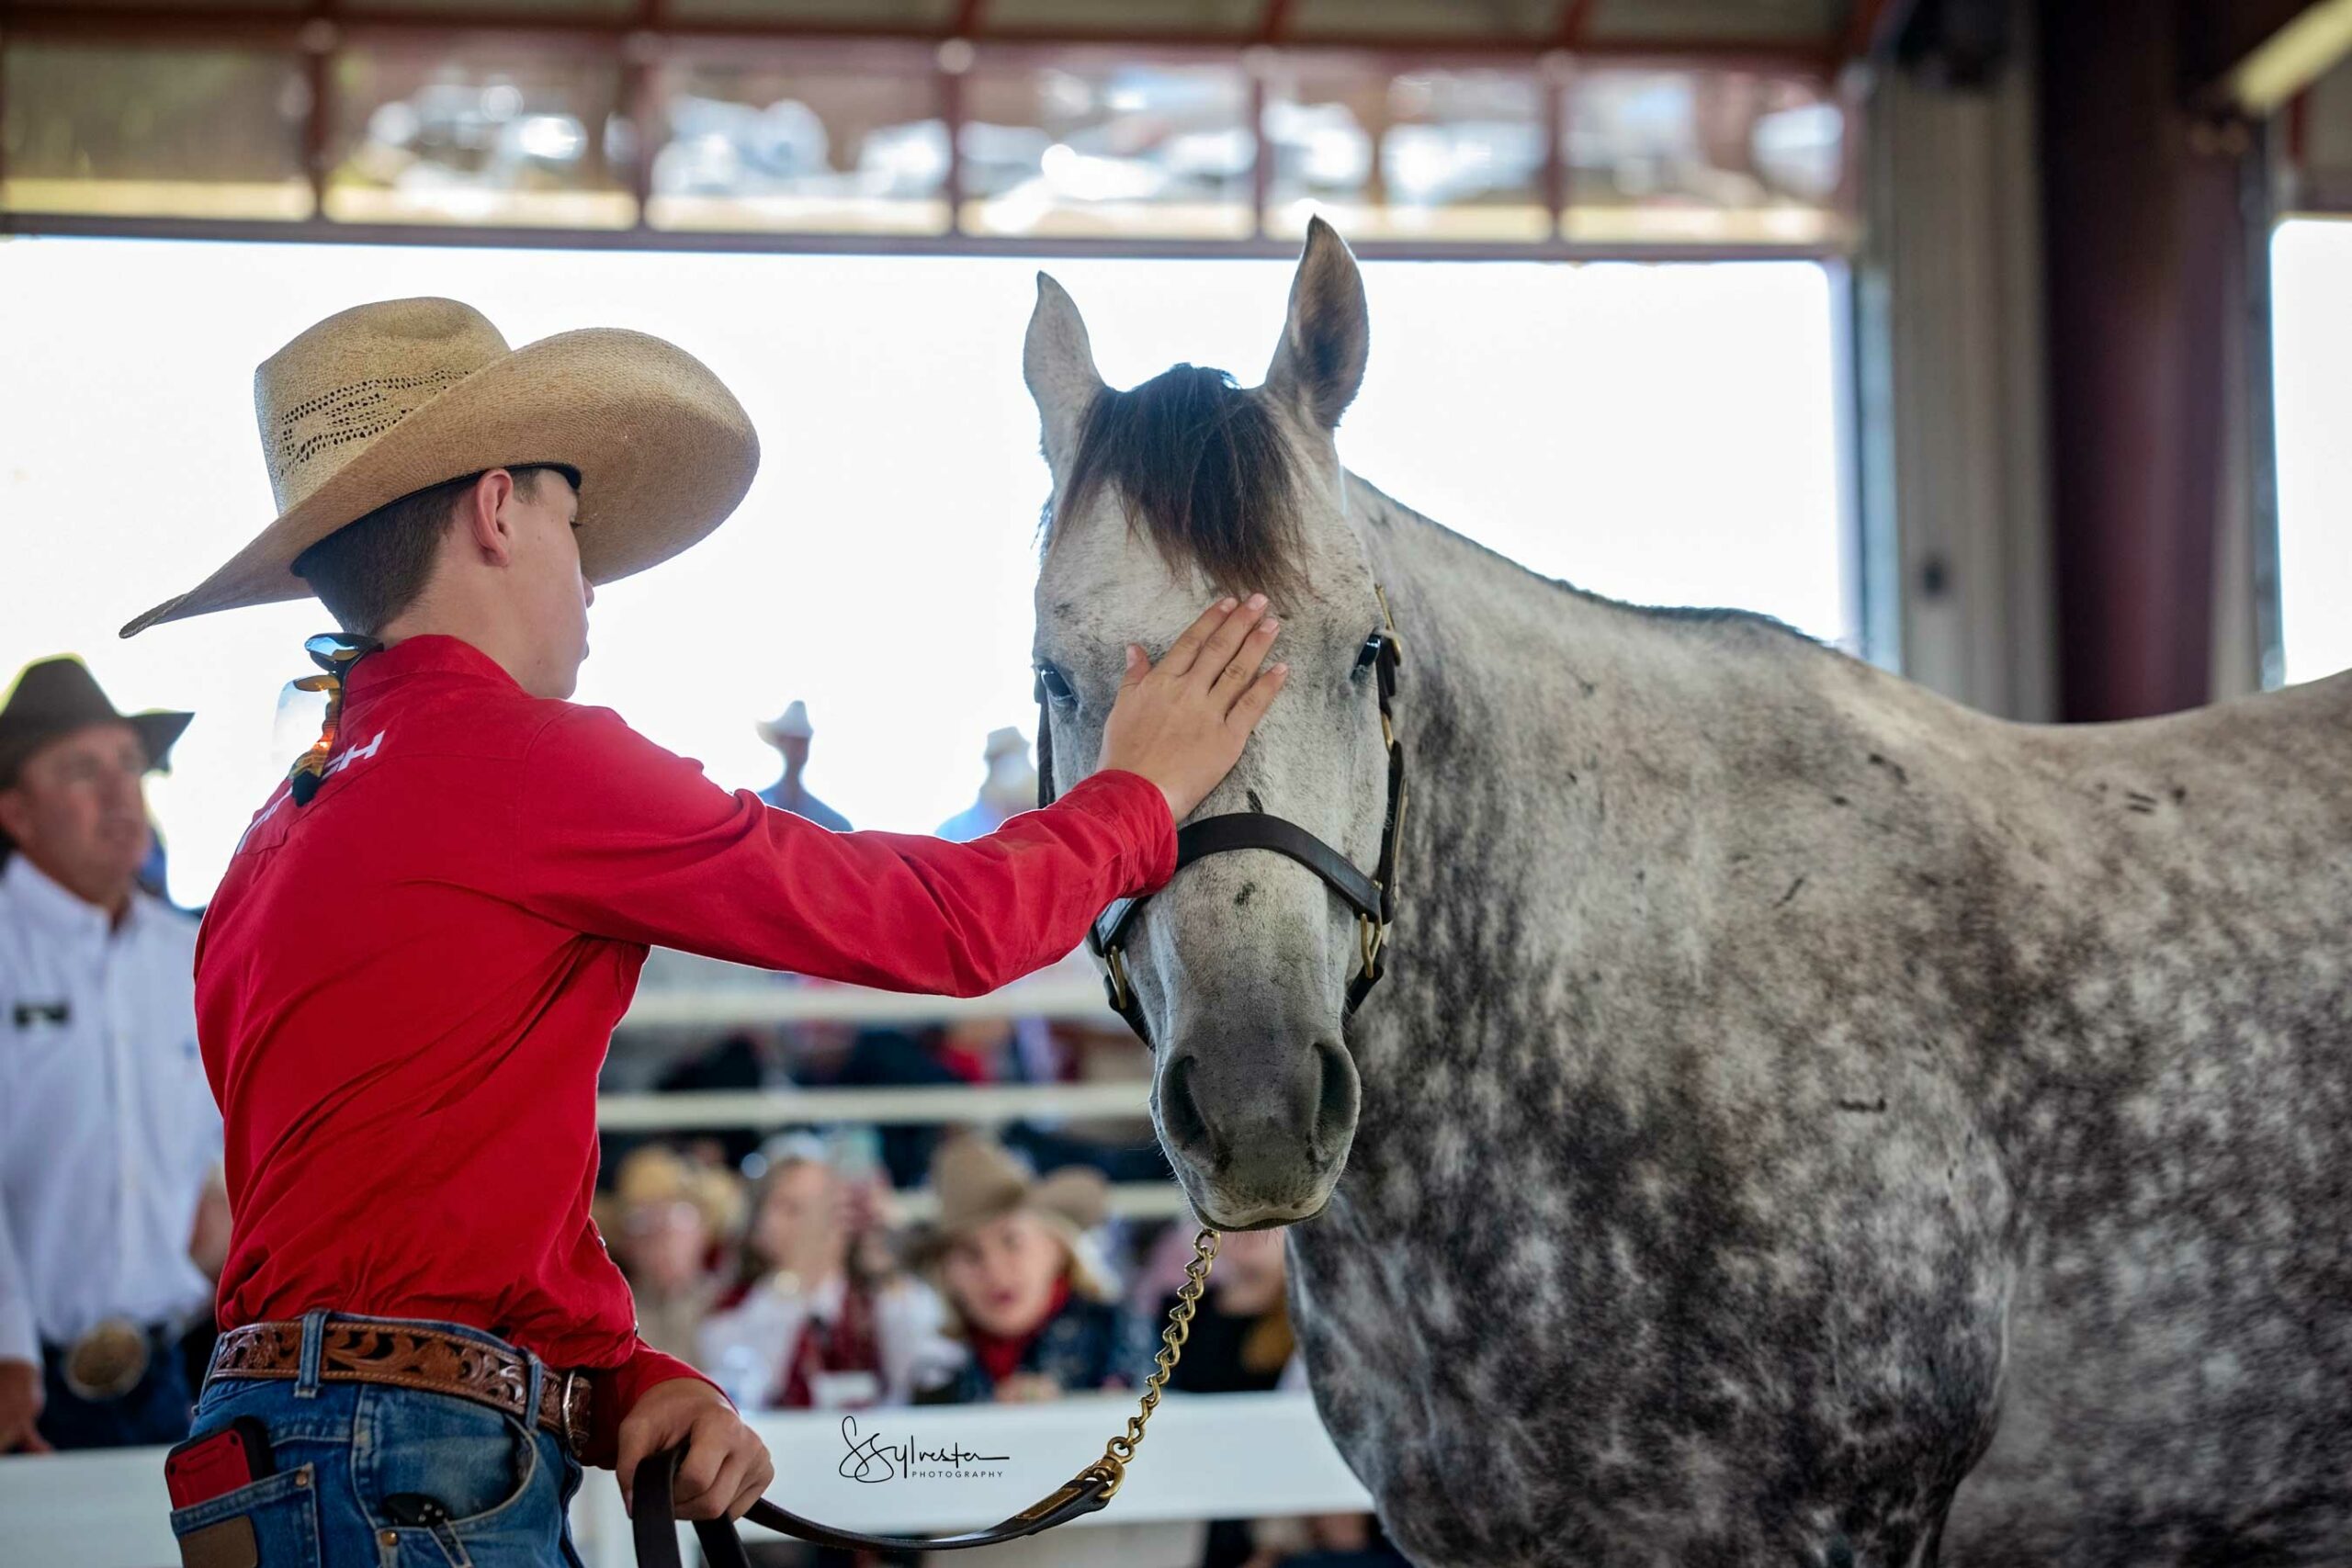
<point>354,754</point>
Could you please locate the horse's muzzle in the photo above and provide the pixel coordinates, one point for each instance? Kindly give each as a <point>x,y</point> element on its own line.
<point>1258,1143</point>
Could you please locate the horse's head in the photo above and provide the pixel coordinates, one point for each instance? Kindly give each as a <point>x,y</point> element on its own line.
<point>1164,495</point>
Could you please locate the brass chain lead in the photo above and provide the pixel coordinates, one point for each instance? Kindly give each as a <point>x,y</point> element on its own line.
<point>1112,1465</point>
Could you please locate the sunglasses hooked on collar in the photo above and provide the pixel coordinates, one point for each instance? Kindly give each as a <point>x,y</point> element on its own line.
<point>335,653</point>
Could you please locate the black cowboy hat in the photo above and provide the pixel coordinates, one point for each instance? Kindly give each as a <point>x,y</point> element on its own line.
<point>58,696</point>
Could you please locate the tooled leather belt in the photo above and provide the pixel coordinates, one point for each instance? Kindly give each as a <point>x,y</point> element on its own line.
<point>400,1356</point>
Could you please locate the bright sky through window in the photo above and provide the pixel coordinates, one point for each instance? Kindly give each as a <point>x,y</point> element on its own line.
<point>2311,306</point>
<point>1662,434</point>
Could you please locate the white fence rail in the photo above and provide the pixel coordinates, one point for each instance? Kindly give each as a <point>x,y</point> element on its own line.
<point>1056,993</point>
<point>1059,992</point>
<point>1216,1456</point>
<point>919,1104</point>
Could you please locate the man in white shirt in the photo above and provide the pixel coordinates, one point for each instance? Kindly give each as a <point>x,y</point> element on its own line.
<point>107,1127</point>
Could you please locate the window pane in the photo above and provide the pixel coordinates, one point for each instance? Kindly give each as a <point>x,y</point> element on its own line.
<point>1110,149</point>
<point>424,139</point>
<point>1724,157</point>
<point>842,152</point>
<point>1429,155</point>
<point>1662,434</point>
<point>182,132</point>
<point>2311,317</point>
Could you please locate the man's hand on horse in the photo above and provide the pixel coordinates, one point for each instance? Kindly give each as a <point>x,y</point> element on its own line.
<point>727,1468</point>
<point>1181,723</point>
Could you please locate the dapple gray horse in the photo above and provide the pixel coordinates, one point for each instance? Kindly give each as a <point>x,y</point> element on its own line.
<point>1807,1122</point>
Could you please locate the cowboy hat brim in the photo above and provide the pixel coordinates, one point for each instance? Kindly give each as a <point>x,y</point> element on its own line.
<point>664,453</point>
<point>1074,1200</point>
<point>158,731</point>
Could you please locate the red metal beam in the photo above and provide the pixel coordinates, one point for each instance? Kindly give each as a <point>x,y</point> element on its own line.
<point>2143,250</point>
<point>319,37</point>
<point>1261,171</point>
<point>731,36</point>
<point>1872,29</point>
<point>1576,21</point>
<point>465,235</point>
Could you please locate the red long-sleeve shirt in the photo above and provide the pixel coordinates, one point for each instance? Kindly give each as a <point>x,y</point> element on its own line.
<point>405,988</point>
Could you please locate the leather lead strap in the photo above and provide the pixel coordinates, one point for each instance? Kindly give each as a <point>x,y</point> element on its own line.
<point>655,1526</point>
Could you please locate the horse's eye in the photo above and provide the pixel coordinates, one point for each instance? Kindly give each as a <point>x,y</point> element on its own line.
<point>1051,686</point>
<point>1369,655</point>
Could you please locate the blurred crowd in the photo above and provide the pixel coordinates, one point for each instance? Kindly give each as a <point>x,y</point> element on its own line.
<point>841,1268</point>
<point>801,1283</point>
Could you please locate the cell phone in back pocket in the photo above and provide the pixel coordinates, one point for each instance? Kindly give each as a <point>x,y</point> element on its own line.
<point>204,1468</point>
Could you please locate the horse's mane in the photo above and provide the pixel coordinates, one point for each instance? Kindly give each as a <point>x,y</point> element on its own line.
<point>1204,470</point>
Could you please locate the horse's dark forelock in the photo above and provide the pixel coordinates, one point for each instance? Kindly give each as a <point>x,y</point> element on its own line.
<point>1202,468</point>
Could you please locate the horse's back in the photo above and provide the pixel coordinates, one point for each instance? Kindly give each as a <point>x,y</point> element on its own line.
<point>2181,1336</point>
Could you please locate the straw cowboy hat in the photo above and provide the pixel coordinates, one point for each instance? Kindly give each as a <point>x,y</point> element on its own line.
<point>794,725</point>
<point>58,696</point>
<point>386,399</point>
<point>653,1175</point>
<point>975,1181</point>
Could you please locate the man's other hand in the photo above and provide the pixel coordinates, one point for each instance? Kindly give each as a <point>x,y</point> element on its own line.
<point>20,1403</point>
<point>727,1467</point>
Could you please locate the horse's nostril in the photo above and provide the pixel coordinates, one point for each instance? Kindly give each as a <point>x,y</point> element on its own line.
<point>1180,1114</point>
<point>1336,1099</point>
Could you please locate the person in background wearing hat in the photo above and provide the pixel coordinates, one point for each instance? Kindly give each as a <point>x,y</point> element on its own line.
<point>824,1318</point>
<point>409,974</point>
<point>1026,1291</point>
<point>107,1131</point>
<point>790,736</point>
<point>1009,788</point>
<point>669,1217</point>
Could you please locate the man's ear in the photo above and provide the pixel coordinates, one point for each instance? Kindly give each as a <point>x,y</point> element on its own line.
<point>482,514</point>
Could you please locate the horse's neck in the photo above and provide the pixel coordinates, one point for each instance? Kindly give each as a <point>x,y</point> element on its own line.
<point>1511,675</point>
<point>1564,755</point>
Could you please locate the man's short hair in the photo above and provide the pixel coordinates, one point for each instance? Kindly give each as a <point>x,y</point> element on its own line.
<point>368,572</point>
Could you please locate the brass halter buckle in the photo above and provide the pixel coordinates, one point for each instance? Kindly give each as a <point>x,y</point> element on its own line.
<point>1114,978</point>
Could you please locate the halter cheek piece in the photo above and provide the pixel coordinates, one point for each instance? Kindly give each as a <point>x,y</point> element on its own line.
<point>1374,898</point>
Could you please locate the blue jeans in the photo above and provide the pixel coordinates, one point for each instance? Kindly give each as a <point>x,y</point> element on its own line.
<point>153,1412</point>
<point>372,1476</point>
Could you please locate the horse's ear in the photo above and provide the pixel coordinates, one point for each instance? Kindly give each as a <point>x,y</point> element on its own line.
<point>1320,363</point>
<point>1058,363</point>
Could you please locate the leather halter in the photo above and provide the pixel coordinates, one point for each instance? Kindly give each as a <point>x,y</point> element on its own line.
<point>1374,898</point>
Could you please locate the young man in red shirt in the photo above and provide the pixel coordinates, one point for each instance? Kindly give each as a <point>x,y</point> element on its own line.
<point>407,979</point>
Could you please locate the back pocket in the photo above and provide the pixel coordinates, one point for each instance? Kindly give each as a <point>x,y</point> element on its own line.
<point>274,1523</point>
<point>473,1461</point>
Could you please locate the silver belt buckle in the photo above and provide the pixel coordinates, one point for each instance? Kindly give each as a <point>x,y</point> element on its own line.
<point>108,1361</point>
<point>574,1436</point>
